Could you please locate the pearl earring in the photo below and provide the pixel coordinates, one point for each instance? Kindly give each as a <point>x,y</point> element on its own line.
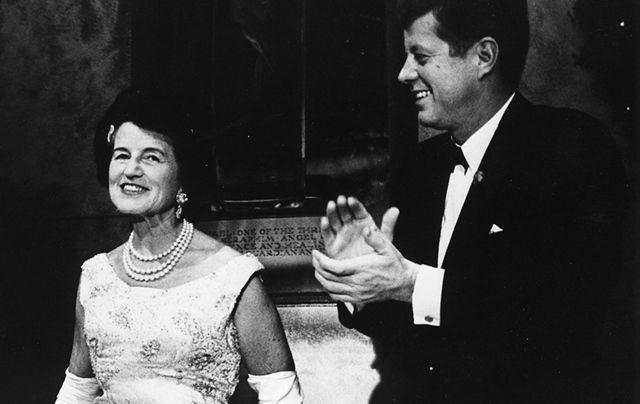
<point>181,198</point>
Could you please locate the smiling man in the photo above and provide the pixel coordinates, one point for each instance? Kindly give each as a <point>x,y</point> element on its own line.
<point>493,285</point>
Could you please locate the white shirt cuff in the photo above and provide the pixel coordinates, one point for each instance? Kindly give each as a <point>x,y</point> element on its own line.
<point>427,295</point>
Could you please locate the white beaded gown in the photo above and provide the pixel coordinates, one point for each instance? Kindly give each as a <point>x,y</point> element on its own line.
<point>164,346</point>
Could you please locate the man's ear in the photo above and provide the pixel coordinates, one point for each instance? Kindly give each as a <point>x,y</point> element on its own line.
<point>487,51</point>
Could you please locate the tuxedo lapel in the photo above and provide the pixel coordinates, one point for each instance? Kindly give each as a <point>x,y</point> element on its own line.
<point>495,170</point>
<point>440,183</point>
<point>425,202</point>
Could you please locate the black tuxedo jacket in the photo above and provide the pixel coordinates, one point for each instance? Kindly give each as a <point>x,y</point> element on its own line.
<point>522,309</point>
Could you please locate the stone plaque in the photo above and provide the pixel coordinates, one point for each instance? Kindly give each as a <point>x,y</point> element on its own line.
<point>282,242</point>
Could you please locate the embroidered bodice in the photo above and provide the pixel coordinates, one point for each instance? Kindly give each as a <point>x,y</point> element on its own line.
<point>173,346</point>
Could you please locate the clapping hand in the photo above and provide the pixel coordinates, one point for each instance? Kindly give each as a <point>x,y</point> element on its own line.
<point>342,228</point>
<point>364,266</point>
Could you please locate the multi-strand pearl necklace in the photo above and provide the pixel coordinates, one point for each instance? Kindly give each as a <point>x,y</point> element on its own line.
<point>174,253</point>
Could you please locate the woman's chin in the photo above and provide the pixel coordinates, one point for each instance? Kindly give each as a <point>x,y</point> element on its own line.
<point>146,213</point>
<point>132,209</point>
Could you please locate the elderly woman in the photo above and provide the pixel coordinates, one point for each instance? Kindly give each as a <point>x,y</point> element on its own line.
<point>167,316</point>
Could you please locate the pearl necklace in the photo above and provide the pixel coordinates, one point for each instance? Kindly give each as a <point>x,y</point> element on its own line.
<point>175,253</point>
<point>156,257</point>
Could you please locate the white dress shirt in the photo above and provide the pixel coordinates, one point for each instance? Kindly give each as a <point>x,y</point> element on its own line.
<point>427,292</point>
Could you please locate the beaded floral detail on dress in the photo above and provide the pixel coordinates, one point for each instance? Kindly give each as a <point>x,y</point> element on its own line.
<point>176,345</point>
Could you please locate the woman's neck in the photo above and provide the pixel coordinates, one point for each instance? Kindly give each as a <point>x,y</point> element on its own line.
<point>155,234</point>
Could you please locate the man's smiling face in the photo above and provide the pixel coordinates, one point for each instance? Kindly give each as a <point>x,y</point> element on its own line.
<point>445,87</point>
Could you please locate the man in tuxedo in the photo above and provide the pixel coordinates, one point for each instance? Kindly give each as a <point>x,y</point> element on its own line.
<point>493,285</point>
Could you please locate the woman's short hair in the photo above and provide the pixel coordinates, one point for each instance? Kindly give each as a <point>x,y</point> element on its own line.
<point>163,113</point>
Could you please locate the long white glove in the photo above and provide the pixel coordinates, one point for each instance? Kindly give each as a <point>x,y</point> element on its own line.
<point>77,390</point>
<point>277,388</point>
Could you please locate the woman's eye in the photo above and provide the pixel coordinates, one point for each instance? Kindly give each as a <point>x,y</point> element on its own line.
<point>152,157</point>
<point>120,156</point>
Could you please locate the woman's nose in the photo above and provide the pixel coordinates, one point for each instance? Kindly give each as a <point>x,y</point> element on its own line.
<point>132,169</point>
<point>407,73</point>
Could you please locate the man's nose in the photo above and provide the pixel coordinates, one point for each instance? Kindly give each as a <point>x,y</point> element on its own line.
<point>408,72</point>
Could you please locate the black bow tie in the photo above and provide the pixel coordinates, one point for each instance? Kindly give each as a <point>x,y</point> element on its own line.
<point>455,156</point>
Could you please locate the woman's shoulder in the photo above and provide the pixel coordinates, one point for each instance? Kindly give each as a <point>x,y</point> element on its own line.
<point>115,254</point>
<point>208,248</point>
<point>205,249</point>
<point>101,259</point>
<point>221,258</point>
<point>95,271</point>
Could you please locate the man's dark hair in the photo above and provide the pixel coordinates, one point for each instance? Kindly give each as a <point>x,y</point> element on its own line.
<point>461,23</point>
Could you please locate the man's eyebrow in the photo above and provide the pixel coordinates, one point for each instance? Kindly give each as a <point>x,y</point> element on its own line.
<point>418,48</point>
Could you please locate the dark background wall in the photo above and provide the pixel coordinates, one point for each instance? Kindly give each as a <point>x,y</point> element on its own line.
<point>61,64</point>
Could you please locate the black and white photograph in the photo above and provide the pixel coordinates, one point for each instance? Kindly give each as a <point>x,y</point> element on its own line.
<point>319,201</point>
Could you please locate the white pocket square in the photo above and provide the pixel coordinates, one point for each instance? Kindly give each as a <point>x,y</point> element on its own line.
<point>495,229</point>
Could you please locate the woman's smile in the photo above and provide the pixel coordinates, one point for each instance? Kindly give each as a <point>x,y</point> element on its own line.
<point>132,189</point>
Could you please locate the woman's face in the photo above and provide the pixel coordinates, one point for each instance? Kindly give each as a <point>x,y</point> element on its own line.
<point>143,173</point>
